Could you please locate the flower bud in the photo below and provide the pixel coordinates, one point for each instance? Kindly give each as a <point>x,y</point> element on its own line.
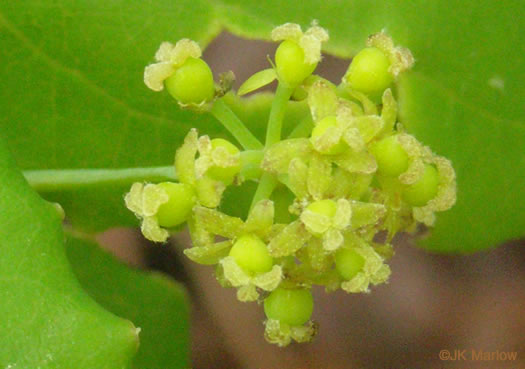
<point>251,254</point>
<point>178,208</point>
<point>289,306</point>
<point>369,72</point>
<point>191,83</point>
<point>424,190</point>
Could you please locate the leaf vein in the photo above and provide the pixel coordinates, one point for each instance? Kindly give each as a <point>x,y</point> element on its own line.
<point>77,75</point>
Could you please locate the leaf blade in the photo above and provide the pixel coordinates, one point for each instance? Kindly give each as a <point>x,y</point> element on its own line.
<point>151,300</point>
<point>46,319</point>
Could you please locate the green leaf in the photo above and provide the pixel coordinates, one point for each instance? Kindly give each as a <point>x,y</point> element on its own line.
<point>152,301</point>
<point>72,68</point>
<point>46,319</point>
<point>74,95</point>
<point>256,81</point>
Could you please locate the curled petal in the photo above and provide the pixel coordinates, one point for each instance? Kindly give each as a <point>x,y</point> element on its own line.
<point>155,74</point>
<point>153,197</point>
<point>209,254</point>
<point>204,145</point>
<point>446,196</point>
<point>415,152</point>
<point>210,156</point>
<point>304,333</point>
<point>133,198</point>
<point>332,239</point>
<point>205,160</point>
<point>322,100</point>
<point>400,58</point>
<point>357,284</point>
<point>345,114</point>
<point>209,192</point>
<point>369,107</point>
<point>151,230</point>
<point>275,332</point>
<point>282,334</point>
<point>354,108</point>
<point>414,172</point>
<point>349,185</point>
<point>353,138</point>
<point>164,52</point>
<point>318,32</point>
<point>270,280</point>
<point>278,157</point>
<point>234,273</point>
<point>247,293</point>
<point>373,262</point>
<point>356,162</point>
<point>329,139</point>
<point>318,257</point>
<point>424,215</point>
<point>389,111</point>
<point>178,53</point>
<point>375,269</point>
<point>221,157</point>
<point>315,223</point>
<point>287,31</point>
<point>297,178</point>
<point>185,158</point>
<point>343,214</point>
<point>319,176</point>
<point>145,200</point>
<point>312,48</point>
<point>218,223</point>
<point>381,275</point>
<point>364,213</point>
<point>169,57</point>
<point>185,49</point>
<point>369,126</point>
<point>310,41</point>
<point>199,235</point>
<point>260,218</point>
<point>289,240</point>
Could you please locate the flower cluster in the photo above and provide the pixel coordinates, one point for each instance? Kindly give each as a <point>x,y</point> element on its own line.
<point>352,175</point>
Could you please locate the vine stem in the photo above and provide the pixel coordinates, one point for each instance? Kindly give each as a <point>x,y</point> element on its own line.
<point>235,126</point>
<point>67,179</point>
<point>48,180</point>
<point>268,182</point>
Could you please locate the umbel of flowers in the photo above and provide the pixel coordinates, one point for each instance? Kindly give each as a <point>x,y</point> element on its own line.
<point>354,177</point>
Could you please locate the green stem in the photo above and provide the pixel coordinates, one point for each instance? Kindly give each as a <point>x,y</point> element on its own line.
<point>273,133</point>
<point>48,180</point>
<point>68,179</point>
<point>266,186</point>
<point>267,182</point>
<point>235,126</point>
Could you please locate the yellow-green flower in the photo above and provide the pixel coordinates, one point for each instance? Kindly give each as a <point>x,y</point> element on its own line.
<point>235,271</point>
<point>168,58</point>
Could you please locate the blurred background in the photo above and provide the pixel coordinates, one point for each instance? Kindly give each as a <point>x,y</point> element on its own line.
<point>432,303</point>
